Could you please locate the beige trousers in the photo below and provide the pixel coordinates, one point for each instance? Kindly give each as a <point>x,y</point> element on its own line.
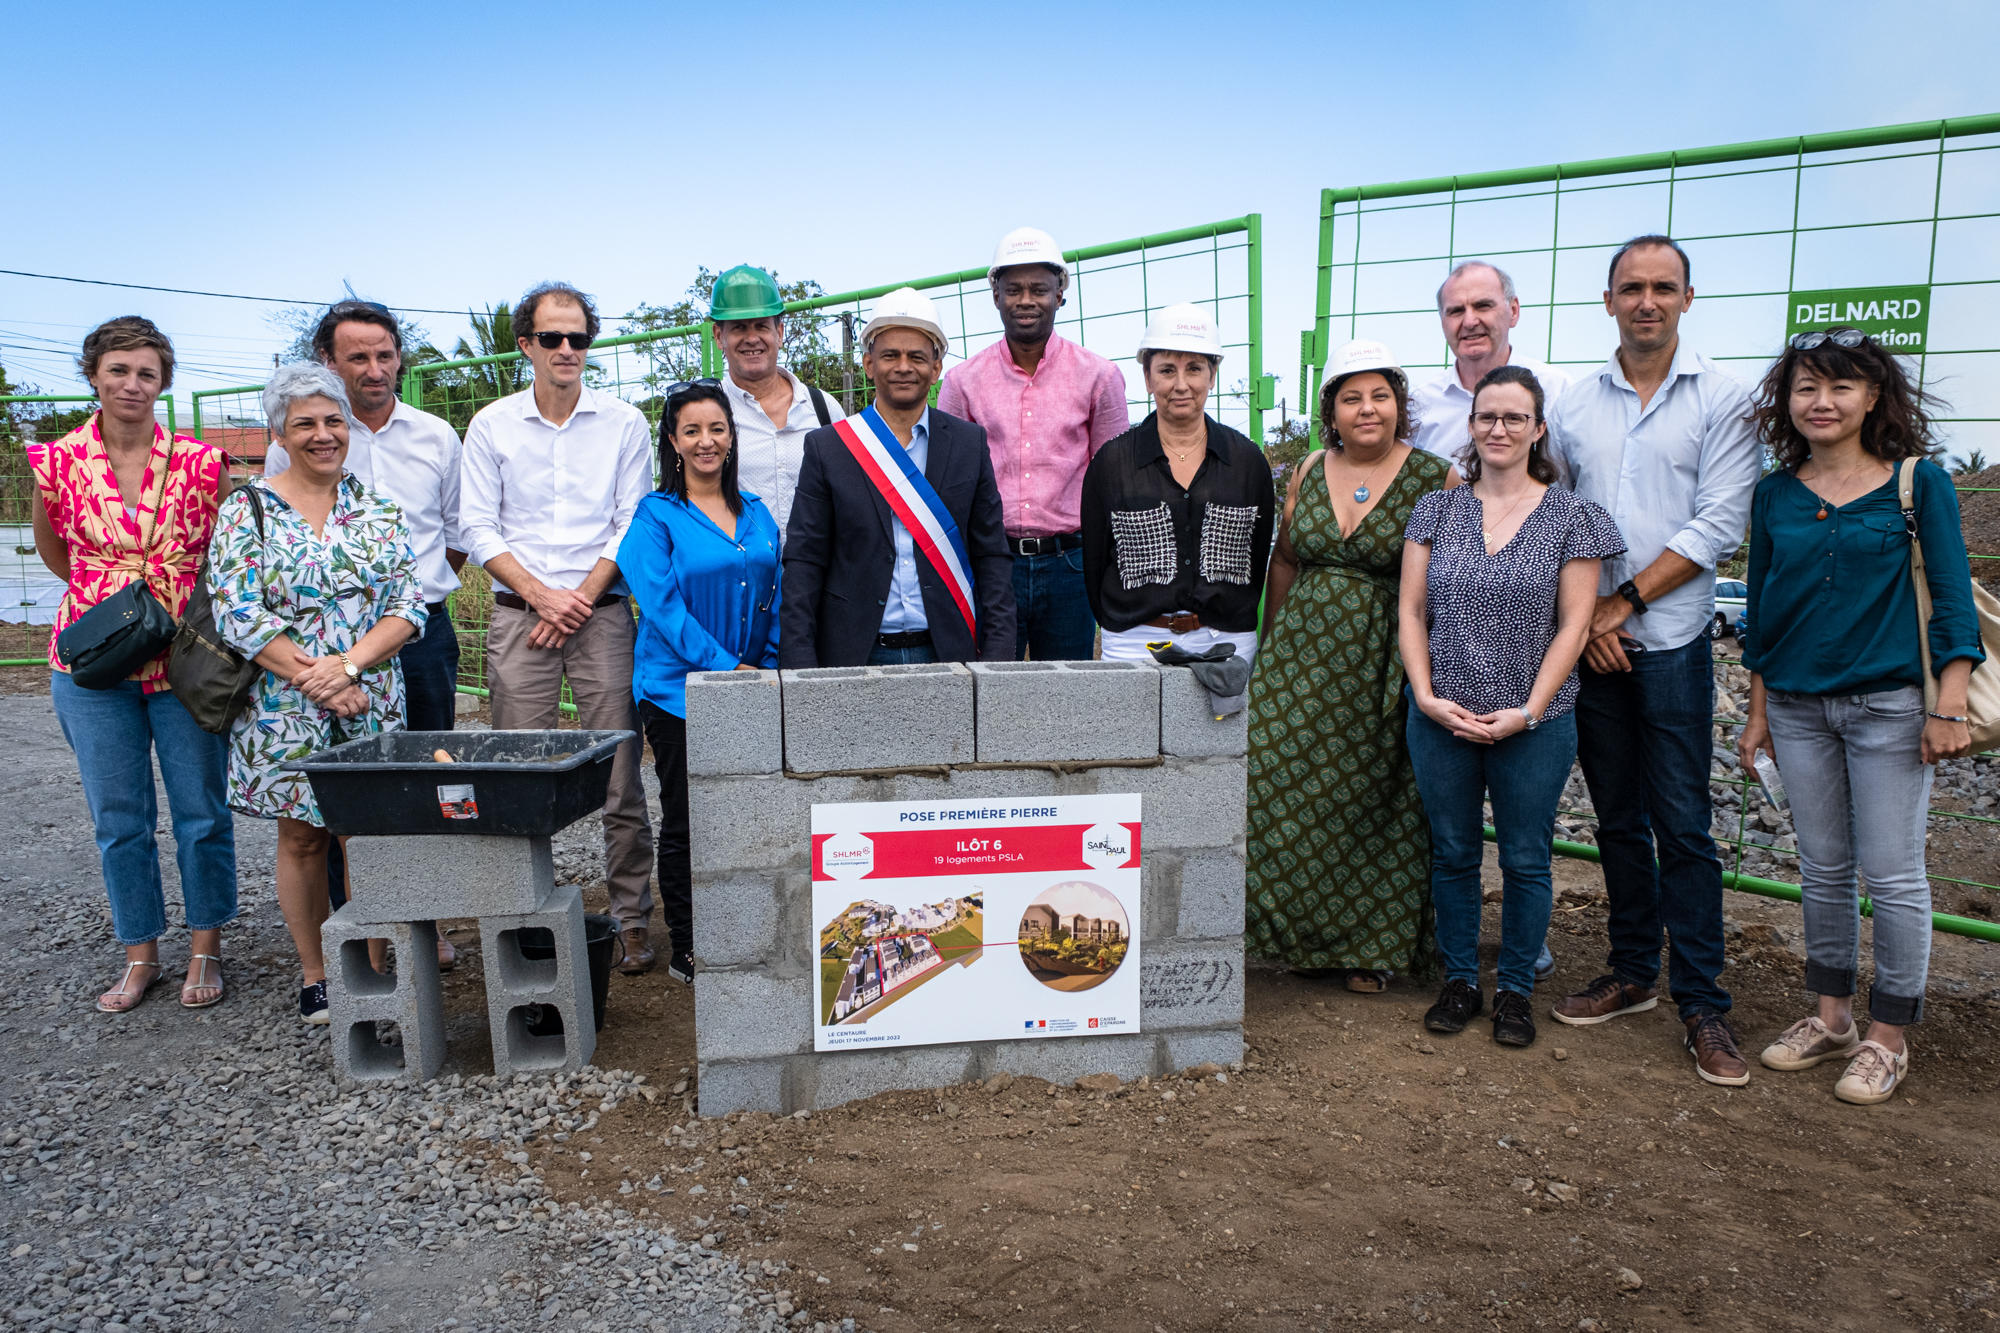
<point>527,693</point>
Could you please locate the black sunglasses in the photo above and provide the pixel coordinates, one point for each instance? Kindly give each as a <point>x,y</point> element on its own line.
<point>680,387</point>
<point>1849,338</point>
<point>550,341</point>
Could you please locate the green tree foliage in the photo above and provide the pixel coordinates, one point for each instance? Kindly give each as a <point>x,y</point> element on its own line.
<point>458,394</point>
<point>1287,447</point>
<point>812,348</point>
<point>1974,461</point>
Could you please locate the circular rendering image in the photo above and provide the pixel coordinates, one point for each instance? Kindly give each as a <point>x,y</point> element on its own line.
<point>1074,935</point>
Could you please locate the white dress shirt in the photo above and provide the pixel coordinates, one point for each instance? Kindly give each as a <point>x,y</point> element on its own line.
<point>1675,475</point>
<point>556,498</point>
<point>904,612</point>
<point>1439,407</point>
<point>413,461</point>
<point>768,463</point>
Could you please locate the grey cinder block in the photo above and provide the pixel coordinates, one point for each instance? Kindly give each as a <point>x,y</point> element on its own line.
<point>424,877</point>
<point>1071,711</point>
<point>1186,802</point>
<point>1067,1059</point>
<point>357,997</point>
<point>839,718</point>
<point>749,1015</point>
<point>742,1085</point>
<point>1159,894</point>
<point>736,919</point>
<point>1188,726</point>
<point>846,1076</point>
<point>1211,894</point>
<point>758,822</point>
<point>735,723</point>
<point>515,983</point>
<point>1187,1048</point>
<point>1191,985</point>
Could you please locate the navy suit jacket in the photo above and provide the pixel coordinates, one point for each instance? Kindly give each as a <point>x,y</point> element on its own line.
<point>840,554</point>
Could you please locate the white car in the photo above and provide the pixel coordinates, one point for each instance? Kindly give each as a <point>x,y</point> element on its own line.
<point>1731,598</point>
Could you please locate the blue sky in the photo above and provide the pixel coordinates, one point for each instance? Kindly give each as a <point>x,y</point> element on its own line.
<point>441,155</point>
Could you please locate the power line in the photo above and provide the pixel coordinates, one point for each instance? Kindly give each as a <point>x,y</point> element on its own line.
<point>227,296</point>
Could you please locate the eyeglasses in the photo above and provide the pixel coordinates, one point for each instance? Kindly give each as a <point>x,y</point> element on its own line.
<point>1515,422</point>
<point>1849,338</point>
<point>550,341</point>
<point>680,387</point>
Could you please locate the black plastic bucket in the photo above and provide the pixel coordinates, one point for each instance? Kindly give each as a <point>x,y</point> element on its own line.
<point>600,941</point>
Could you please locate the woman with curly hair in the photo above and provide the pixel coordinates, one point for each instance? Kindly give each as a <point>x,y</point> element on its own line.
<point>1837,680</point>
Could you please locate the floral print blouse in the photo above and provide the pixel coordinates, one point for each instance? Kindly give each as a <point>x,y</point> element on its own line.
<point>160,539</point>
<point>327,592</point>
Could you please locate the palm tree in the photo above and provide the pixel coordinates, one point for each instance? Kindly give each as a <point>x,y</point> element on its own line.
<point>458,394</point>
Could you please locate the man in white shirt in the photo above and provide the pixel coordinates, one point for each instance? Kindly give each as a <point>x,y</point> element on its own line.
<point>772,407</point>
<point>1662,439</point>
<point>1478,308</point>
<point>550,480</point>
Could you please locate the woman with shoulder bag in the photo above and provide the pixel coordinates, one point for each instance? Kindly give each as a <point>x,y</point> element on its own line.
<point>1836,653</point>
<point>119,502</point>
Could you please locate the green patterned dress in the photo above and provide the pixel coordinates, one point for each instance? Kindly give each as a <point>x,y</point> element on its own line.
<point>1340,852</point>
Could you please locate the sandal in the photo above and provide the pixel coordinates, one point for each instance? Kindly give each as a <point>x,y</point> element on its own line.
<point>447,954</point>
<point>131,999</point>
<point>1365,981</point>
<point>194,986</point>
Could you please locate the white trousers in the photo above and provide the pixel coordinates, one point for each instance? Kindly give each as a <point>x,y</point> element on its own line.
<point>1130,645</point>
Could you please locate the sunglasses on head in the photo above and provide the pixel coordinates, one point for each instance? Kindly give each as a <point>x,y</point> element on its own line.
<point>1849,338</point>
<point>348,307</point>
<point>550,341</point>
<point>680,387</point>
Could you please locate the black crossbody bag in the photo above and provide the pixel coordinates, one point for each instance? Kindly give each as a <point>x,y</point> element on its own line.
<point>212,680</point>
<point>128,629</point>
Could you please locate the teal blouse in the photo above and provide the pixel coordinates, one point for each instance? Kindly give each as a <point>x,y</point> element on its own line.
<point>1831,606</point>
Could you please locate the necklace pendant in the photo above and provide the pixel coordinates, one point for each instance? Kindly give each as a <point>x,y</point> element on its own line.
<point>1361,495</point>
<point>1821,515</point>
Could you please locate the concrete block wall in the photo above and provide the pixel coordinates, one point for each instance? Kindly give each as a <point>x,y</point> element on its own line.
<point>751,839</point>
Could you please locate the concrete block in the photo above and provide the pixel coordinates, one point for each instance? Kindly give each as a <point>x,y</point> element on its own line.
<point>465,705</point>
<point>1211,894</point>
<point>515,984</point>
<point>847,1076</point>
<point>839,718</point>
<point>1185,1049</point>
<point>741,1085</point>
<point>1187,802</point>
<point>736,919</point>
<point>424,877</point>
<point>1188,726</point>
<point>1159,894</point>
<point>1191,985</point>
<point>1066,1059</point>
<point>755,823</point>
<point>1030,711</point>
<point>735,723</point>
<point>750,1015</point>
<point>357,997</point>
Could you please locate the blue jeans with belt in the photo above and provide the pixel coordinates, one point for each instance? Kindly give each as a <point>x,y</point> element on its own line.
<point>116,733</point>
<point>1052,612</point>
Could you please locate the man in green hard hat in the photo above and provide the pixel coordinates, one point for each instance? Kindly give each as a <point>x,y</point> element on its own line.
<point>772,407</point>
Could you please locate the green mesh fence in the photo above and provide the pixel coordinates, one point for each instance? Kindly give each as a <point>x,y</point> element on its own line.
<point>1781,234</point>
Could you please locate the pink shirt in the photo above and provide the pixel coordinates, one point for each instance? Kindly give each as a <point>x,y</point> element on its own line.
<point>1043,429</point>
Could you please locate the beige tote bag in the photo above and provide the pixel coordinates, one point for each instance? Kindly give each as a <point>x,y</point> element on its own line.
<point>1982,698</point>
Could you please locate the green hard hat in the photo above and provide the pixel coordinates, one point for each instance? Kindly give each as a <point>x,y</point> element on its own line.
<point>745,292</point>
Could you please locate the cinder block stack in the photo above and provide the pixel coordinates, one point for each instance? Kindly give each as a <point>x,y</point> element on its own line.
<point>517,986</point>
<point>751,826</point>
<point>358,997</point>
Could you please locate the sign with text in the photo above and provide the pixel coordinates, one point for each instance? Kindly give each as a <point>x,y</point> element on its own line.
<point>975,920</point>
<point>1899,318</point>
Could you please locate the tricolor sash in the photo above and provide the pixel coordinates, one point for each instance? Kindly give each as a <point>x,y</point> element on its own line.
<point>916,506</point>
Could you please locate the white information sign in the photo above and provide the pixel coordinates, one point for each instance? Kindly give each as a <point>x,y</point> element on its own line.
<point>977,920</point>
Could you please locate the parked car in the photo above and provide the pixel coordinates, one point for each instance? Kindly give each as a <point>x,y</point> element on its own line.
<point>1731,601</point>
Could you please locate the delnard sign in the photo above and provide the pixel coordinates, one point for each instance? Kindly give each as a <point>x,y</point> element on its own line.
<point>1899,318</point>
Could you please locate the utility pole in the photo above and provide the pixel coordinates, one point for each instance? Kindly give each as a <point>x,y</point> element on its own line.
<point>847,362</point>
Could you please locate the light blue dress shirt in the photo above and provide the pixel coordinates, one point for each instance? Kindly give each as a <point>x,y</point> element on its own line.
<point>1675,475</point>
<point>903,613</point>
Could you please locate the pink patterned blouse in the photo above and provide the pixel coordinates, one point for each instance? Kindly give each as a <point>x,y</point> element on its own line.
<point>162,539</point>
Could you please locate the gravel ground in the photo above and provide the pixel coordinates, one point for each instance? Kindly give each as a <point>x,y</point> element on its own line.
<point>175,1170</point>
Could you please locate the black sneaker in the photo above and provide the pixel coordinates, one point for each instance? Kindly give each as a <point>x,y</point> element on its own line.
<point>1513,1022</point>
<point>1458,1004</point>
<point>680,966</point>
<point>312,1004</point>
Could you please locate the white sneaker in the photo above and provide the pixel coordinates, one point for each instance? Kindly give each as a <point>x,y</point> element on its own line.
<point>1873,1075</point>
<point>1807,1042</point>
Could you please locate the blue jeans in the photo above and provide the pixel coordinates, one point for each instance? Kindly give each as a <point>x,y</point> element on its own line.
<point>1860,791</point>
<point>901,656</point>
<point>1525,775</point>
<point>1643,739</point>
<point>115,734</point>
<point>1051,613</point>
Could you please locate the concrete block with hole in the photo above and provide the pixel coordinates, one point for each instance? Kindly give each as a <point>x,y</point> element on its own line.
<point>841,718</point>
<point>1030,712</point>
<point>424,877</point>
<point>519,988</point>
<point>1188,725</point>
<point>410,995</point>
<point>735,723</point>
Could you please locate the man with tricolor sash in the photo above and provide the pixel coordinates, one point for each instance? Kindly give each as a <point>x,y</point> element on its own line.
<point>896,551</point>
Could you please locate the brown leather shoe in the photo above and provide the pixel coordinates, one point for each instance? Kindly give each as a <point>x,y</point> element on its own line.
<point>638,958</point>
<point>1602,1000</point>
<point>1713,1046</point>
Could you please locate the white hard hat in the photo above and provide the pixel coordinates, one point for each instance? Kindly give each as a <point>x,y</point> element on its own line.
<point>1359,355</point>
<point>904,308</point>
<point>1027,245</point>
<point>1182,328</point>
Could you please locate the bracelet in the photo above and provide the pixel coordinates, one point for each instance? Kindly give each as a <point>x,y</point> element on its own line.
<point>1946,717</point>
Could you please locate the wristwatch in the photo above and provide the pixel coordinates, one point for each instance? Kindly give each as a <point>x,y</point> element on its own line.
<point>1630,592</point>
<point>347,665</point>
<point>1533,721</point>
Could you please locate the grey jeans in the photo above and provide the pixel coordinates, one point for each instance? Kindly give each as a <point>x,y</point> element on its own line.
<point>1860,792</point>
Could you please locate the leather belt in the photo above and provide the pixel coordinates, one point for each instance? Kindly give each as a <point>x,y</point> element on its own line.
<point>916,638</point>
<point>1180,622</point>
<point>510,600</point>
<point>1068,541</point>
